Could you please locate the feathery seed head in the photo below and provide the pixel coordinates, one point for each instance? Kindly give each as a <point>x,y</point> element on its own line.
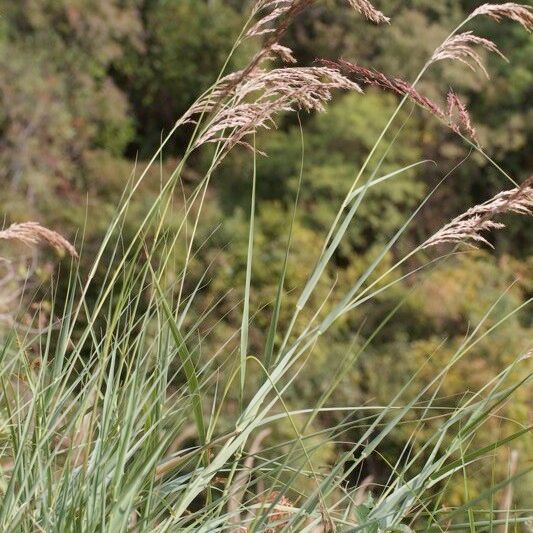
<point>288,9</point>
<point>469,226</point>
<point>273,92</point>
<point>459,48</point>
<point>369,11</point>
<point>402,88</point>
<point>395,85</point>
<point>31,233</point>
<point>516,12</point>
<point>464,117</point>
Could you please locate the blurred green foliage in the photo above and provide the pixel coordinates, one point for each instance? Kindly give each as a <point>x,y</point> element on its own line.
<point>88,87</point>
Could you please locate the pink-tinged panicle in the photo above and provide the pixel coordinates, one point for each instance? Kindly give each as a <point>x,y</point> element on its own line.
<point>394,85</point>
<point>289,8</point>
<point>464,117</point>
<point>516,12</point>
<point>369,11</point>
<point>273,24</point>
<point>232,124</point>
<point>469,227</point>
<point>283,52</point>
<point>275,16</point>
<point>459,48</point>
<point>403,88</point>
<point>32,233</point>
<point>468,231</point>
<point>308,87</point>
<point>274,91</point>
<point>244,101</point>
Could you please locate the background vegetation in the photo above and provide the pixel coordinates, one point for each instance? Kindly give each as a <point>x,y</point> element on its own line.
<point>88,90</point>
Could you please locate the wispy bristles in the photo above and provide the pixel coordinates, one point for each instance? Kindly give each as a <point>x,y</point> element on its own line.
<point>240,121</point>
<point>464,117</point>
<point>403,88</point>
<point>395,85</point>
<point>283,52</point>
<point>288,9</point>
<point>275,91</point>
<point>369,11</point>
<point>468,227</point>
<point>284,12</point>
<point>308,87</point>
<point>263,25</point>
<point>517,12</point>
<point>274,24</point>
<point>459,48</point>
<point>32,233</point>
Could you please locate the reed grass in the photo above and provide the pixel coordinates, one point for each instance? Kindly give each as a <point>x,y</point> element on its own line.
<point>120,428</point>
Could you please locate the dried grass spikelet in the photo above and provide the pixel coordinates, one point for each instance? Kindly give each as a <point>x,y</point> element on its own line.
<point>469,226</point>
<point>274,24</point>
<point>273,92</point>
<point>282,11</point>
<point>273,51</point>
<point>460,48</point>
<point>283,52</point>
<point>402,88</point>
<point>32,233</point>
<point>369,11</point>
<point>394,85</point>
<point>306,87</point>
<point>265,25</point>
<point>232,124</point>
<point>277,15</point>
<point>465,121</point>
<point>516,12</point>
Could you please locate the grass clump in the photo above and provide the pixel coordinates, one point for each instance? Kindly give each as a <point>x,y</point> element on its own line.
<point>121,413</point>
